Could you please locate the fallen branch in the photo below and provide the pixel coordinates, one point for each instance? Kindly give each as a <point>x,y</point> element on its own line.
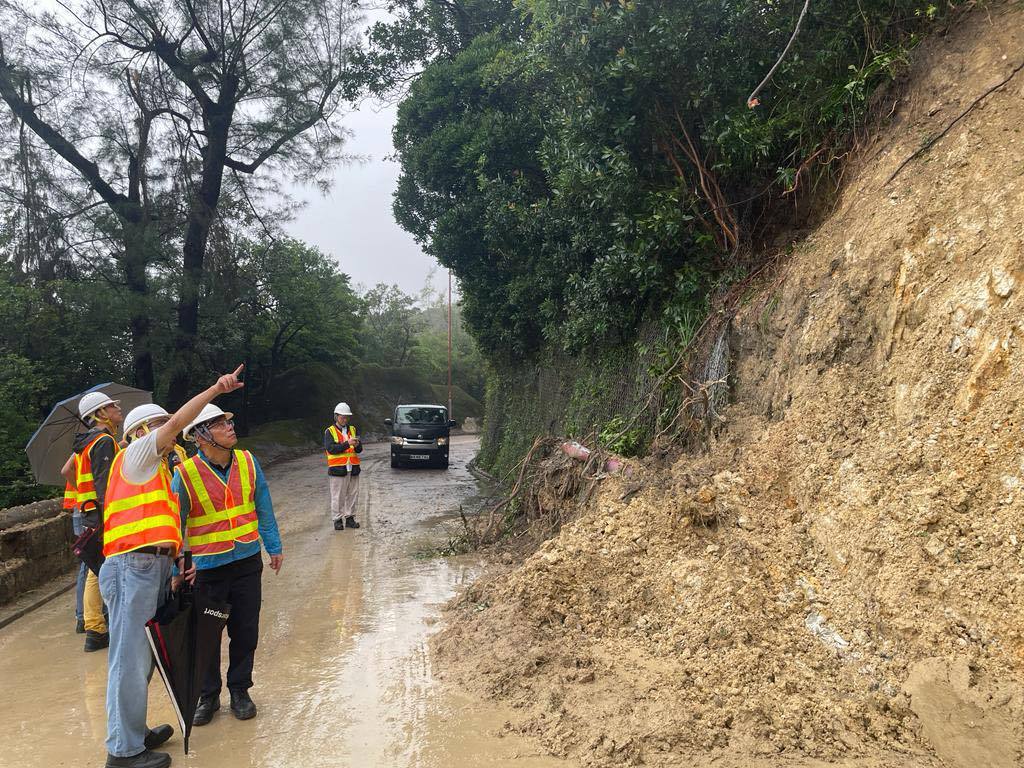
<point>516,488</point>
<point>752,98</point>
<point>932,141</point>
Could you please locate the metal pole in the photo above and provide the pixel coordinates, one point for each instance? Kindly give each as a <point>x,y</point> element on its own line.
<point>450,344</point>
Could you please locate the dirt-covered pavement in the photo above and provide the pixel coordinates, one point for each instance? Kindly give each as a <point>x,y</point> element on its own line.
<point>343,676</point>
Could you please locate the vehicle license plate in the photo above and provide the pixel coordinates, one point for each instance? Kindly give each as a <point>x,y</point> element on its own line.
<point>419,456</point>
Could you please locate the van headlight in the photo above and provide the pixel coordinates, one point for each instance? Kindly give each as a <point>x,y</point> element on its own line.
<point>442,441</point>
<point>398,440</point>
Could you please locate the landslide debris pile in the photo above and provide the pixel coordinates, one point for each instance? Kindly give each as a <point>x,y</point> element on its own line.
<point>858,593</point>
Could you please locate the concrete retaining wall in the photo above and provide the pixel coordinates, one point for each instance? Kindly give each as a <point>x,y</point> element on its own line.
<point>35,546</point>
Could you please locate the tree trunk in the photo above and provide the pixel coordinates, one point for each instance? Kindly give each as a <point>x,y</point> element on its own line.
<point>134,262</point>
<point>197,233</point>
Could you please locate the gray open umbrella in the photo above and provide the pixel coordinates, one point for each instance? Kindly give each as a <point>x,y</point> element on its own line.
<point>53,442</point>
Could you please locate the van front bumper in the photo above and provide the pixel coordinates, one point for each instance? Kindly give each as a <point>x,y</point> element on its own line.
<point>415,451</point>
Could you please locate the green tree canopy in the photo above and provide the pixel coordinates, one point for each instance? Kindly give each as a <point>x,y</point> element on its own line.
<point>582,165</point>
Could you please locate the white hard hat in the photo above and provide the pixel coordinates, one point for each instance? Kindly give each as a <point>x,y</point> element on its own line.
<point>342,409</point>
<point>140,414</point>
<point>209,413</point>
<point>92,402</point>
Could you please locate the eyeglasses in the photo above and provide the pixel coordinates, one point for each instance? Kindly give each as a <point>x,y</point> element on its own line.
<point>222,423</point>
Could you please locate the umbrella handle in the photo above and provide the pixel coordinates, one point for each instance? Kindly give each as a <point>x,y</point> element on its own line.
<point>188,559</point>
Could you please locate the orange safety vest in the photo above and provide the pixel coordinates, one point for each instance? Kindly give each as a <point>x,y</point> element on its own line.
<point>220,513</point>
<point>70,496</point>
<point>140,515</point>
<point>85,486</point>
<point>348,457</point>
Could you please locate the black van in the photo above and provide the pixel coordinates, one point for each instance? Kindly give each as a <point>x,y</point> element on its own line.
<point>420,435</point>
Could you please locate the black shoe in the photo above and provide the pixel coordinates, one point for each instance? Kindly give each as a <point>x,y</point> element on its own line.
<point>158,736</point>
<point>204,712</point>
<point>339,524</point>
<point>96,641</point>
<point>80,627</point>
<point>144,759</point>
<point>242,706</point>
<point>350,522</point>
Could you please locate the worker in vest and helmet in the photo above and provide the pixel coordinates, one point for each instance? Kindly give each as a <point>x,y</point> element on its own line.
<point>141,539</point>
<point>226,510</point>
<point>342,449</point>
<point>70,504</point>
<point>94,452</point>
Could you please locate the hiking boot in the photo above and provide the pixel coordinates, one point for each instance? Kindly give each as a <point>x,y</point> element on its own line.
<point>339,524</point>
<point>144,759</point>
<point>242,706</point>
<point>204,712</point>
<point>96,641</point>
<point>350,522</point>
<point>157,736</point>
<point>80,627</point>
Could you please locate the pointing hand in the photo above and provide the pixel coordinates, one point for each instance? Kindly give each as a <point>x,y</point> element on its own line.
<point>229,382</point>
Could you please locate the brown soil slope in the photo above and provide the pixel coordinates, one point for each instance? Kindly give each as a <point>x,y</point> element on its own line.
<point>862,597</point>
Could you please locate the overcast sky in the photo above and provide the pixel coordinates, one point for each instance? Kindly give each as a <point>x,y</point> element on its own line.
<point>354,222</point>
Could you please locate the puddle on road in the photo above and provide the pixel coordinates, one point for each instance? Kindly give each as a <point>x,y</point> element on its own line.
<point>343,676</point>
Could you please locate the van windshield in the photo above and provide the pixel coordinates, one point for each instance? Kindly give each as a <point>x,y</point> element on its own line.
<point>419,415</point>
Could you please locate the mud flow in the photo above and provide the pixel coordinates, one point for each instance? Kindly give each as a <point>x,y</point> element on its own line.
<point>344,674</point>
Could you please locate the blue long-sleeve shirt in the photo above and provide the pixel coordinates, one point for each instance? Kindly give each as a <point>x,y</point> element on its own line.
<point>266,521</point>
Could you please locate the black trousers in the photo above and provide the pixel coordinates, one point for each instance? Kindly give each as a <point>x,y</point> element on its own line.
<point>240,585</point>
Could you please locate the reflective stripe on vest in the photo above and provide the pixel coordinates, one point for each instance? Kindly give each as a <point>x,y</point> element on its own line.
<point>140,515</point>
<point>70,496</point>
<point>84,484</point>
<point>348,457</point>
<point>220,513</point>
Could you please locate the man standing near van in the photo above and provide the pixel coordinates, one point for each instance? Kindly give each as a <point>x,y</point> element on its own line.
<point>342,448</point>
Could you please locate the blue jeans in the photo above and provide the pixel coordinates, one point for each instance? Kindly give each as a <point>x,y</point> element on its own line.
<point>133,586</point>
<point>78,526</point>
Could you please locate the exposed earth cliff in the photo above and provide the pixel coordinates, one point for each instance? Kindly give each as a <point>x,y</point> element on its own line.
<point>859,595</point>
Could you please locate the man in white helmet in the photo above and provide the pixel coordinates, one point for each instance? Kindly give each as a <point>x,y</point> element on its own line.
<point>342,448</point>
<point>226,510</point>
<point>94,451</point>
<point>141,537</point>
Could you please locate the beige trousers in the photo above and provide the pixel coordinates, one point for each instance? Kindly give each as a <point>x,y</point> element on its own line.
<point>344,492</point>
<point>92,605</point>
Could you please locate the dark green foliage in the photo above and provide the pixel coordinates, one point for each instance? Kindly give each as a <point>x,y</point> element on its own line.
<point>275,306</point>
<point>50,340</point>
<point>393,322</point>
<point>309,393</point>
<point>464,405</point>
<point>582,163</point>
<point>280,306</point>
<point>579,397</point>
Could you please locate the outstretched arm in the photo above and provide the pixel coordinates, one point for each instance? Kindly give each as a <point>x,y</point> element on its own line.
<point>181,418</point>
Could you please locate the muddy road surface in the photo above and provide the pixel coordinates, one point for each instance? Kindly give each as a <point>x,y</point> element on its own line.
<point>343,674</point>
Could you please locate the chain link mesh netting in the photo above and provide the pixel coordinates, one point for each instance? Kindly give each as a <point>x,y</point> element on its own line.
<point>582,397</point>
<point>713,379</point>
<point>571,396</point>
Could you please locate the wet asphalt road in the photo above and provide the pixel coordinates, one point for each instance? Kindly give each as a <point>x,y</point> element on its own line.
<point>343,676</point>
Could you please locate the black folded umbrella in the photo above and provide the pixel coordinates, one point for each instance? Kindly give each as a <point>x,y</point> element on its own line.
<point>184,636</point>
<point>88,548</point>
